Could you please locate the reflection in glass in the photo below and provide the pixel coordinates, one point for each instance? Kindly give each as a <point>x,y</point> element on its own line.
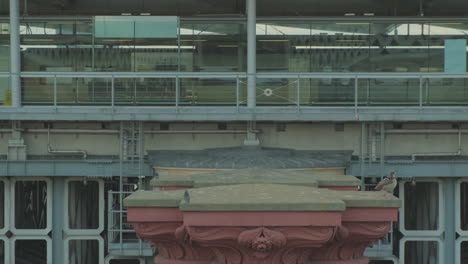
<point>57,46</point>
<point>2,205</point>
<point>30,205</point>
<point>464,206</point>
<point>464,252</point>
<point>421,206</point>
<point>31,252</point>
<point>208,91</point>
<point>213,46</point>
<point>83,208</point>
<point>446,91</point>
<point>4,47</point>
<point>355,46</point>
<point>145,91</point>
<point>83,251</point>
<point>5,92</point>
<point>2,252</point>
<point>421,252</point>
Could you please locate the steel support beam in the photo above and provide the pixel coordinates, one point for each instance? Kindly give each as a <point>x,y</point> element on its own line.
<point>227,113</point>
<point>68,168</point>
<point>450,232</point>
<point>15,56</point>
<point>251,52</point>
<point>57,220</point>
<point>409,169</point>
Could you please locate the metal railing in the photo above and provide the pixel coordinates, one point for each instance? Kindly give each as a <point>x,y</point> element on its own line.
<point>178,89</point>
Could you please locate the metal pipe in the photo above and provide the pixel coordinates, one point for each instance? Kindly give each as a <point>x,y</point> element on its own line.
<point>112,131</point>
<point>251,52</point>
<point>15,55</point>
<point>425,131</point>
<point>458,153</point>
<point>63,152</point>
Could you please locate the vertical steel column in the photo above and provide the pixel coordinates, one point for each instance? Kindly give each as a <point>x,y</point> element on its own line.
<point>58,213</point>
<point>251,52</point>
<point>361,157</point>
<point>449,233</point>
<point>15,55</point>
<point>382,149</point>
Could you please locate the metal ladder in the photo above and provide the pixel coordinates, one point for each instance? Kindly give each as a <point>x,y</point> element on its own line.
<point>131,160</point>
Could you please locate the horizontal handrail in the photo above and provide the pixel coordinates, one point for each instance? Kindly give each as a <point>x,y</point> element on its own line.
<point>261,75</point>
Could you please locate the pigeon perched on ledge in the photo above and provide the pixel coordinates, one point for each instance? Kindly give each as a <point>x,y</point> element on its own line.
<point>387,184</point>
<point>186,196</point>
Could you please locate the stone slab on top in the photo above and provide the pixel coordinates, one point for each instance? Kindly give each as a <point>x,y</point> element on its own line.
<point>256,175</point>
<point>260,197</point>
<point>154,199</point>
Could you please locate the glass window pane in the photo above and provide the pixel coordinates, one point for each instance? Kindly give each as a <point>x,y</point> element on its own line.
<point>421,206</point>
<point>31,252</point>
<point>213,46</point>
<point>399,47</point>
<point>464,252</point>
<point>421,252</point>
<point>83,205</point>
<point>145,91</point>
<point>2,252</point>
<point>207,91</point>
<point>83,251</point>
<point>57,46</point>
<point>2,205</point>
<point>464,205</point>
<point>4,46</point>
<point>30,204</point>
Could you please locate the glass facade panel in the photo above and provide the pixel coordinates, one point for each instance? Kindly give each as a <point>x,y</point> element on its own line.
<point>464,252</point>
<point>356,46</point>
<point>83,208</point>
<point>2,252</point>
<point>31,251</point>
<point>83,91</point>
<point>57,46</point>
<point>145,91</point>
<point>214,46</point>
<point>2,205</point>
<point>4,46</point>
<point>464,207</point>
<point>83,251</point>
<point>388,91</point>
<point>421,206</point>
<point>5,91</point>
<point>399,47</point>
<point>208,91</point>
<point>30,205</point>
<point>421,252</point>
<point>38,91</point>
<point>446,91</point>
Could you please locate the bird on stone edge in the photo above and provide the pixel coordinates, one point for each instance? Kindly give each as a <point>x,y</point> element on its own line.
<point>186,196</point>
<point>387,185</point>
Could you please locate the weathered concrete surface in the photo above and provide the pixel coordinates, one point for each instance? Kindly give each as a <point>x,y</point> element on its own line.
<point>260,197</point>
<point>244,176</point>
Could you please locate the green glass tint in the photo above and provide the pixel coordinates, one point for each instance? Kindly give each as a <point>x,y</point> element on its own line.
<point>208,91</point>
<point>353,46</point>
<point>4,47</point>
<point>213,46</point>
<point>145,91</point>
